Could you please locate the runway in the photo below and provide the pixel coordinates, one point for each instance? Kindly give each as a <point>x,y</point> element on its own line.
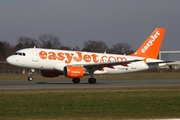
<point>101,84</point>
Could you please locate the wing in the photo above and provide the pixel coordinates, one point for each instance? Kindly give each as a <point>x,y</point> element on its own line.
<point>98,66</point>
<point>113,63</point>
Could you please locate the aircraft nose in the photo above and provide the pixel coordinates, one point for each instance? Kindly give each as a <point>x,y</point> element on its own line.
<point>10,60</point>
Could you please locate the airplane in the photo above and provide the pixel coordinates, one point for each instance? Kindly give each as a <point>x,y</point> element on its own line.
<point>76,64</point>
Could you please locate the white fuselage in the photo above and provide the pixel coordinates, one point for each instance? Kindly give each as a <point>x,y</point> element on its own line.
<point>49,59</point>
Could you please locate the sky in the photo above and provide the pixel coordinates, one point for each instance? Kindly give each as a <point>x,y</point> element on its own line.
<point>76,21</point>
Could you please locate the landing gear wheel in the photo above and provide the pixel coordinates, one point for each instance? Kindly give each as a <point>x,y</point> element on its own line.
<point>76,80</point>
<point>92,80</point>
<point>30,78</point>
<point>31,72</point>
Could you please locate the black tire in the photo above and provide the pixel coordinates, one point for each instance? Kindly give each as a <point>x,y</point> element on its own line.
<point>76,80</point>
<point>30,78</point>
<point>92,80</point>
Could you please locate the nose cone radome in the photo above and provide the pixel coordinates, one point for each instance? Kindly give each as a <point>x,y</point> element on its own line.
<point>10,60</point>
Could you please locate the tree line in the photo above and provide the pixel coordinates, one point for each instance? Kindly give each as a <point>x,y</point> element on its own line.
<point>52,42</point>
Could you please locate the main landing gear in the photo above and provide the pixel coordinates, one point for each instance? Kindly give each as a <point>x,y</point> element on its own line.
<point>90,80</point>
<point>76,80</point>
<point>31,72</point>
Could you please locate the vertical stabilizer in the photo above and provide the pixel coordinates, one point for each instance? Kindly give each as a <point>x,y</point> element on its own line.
<point>150,48</point>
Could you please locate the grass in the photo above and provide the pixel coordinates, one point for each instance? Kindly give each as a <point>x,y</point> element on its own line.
<point>90,104</point>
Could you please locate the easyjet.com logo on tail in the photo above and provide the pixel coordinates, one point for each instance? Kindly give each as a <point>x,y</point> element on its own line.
<point>150,42</point>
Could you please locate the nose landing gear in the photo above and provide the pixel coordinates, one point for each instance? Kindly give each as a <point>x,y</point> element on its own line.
<point>31,72</point>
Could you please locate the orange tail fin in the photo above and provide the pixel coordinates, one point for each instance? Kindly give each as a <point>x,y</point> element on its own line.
<point>150,48</point>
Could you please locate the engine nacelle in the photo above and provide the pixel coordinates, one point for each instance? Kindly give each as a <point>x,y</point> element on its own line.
<point>51,73</point>
<point>73,71</point>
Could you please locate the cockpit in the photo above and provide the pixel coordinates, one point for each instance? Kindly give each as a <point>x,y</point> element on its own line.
<point>20,53</point>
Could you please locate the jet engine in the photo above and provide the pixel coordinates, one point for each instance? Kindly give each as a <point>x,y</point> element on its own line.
<point>73,71</point>
<point>51,73</point>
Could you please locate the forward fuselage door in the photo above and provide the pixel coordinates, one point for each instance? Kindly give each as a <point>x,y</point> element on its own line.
<point>34,56</point>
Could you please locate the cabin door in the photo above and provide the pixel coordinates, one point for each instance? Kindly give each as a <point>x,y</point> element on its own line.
<point>34,56</point>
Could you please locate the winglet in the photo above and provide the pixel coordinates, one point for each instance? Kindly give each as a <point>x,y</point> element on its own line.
<point>150,48</point>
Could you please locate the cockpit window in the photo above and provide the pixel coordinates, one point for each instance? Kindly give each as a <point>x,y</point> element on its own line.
<point>20,53</point>
<point>16,53</point>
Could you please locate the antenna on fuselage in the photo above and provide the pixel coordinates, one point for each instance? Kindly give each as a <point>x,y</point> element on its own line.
<point>34,47</point>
